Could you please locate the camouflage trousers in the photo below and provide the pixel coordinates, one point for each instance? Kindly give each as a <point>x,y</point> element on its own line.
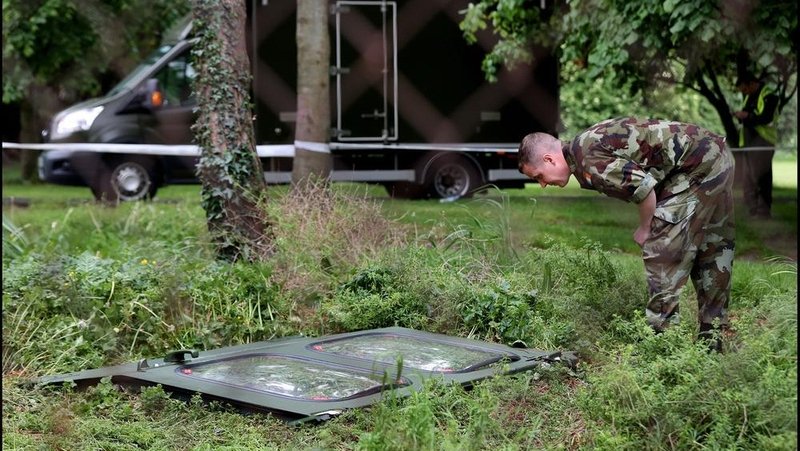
<point>692,235</point>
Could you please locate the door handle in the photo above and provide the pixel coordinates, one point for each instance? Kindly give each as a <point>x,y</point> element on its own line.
<point>180,356</point>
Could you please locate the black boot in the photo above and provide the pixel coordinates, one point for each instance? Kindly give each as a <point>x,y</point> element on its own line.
<point>711,335</point>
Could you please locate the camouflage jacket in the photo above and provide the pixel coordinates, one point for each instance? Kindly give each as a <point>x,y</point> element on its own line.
<point>628,157</point>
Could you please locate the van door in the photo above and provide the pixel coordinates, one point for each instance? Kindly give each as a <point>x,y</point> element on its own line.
<point>303,378</point>
<point>366,70</point>
<point>171,123</point>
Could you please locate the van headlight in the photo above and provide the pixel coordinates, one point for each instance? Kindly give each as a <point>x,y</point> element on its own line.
<point>75,121</point>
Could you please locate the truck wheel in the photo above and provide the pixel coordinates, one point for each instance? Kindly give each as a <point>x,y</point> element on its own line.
<point>126,180</point>
<point>452,176</point>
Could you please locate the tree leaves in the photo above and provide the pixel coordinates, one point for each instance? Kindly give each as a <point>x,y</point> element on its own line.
<point>58,44</point>
<point>644,44</point>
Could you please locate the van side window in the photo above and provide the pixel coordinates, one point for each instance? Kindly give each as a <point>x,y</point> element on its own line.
<point>175,81</point>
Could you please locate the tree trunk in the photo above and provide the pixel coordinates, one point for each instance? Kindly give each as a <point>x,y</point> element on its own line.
<point>28,158</point>
<point>720,104</point>
<point>229,168</point>
<point>312,160</point>
<point>36,110</point>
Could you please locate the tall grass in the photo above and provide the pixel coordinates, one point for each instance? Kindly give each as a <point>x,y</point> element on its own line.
<point>86,286</point>
<point>321,234</point>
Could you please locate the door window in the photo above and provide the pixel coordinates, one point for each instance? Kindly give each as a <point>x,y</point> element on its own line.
<point>287,376</point>
<point>415,352</point>
<point>175,81</point>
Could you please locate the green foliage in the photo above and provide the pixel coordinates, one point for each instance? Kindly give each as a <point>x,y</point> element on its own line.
<point>587,100</point>
<point>516,25</point>
<point>498,313</point>
<point>374,297</point>
<point>145,267</point>
<point>666,391</point>
<point>638,47</point>
<point>440,417</point>
<point>58,44</point>
<point>100,309</point>
<point>144,300</point>
<point>28,30</point>
<point>579,291</point>
<point>14,241</point>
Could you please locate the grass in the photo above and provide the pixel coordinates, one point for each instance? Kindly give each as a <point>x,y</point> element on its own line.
<point>86,286</point>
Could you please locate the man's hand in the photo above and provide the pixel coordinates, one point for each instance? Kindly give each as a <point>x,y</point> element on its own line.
<point>641,235</point>
<point>741,114</point>
<point>646,210</point>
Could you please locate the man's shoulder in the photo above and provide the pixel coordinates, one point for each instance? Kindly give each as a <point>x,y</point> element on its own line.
<point>618,126</point>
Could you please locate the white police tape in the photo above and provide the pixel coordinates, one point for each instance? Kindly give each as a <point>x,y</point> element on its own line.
<point>275,150</point>
<point>281,150</point>
<point>183,150</point>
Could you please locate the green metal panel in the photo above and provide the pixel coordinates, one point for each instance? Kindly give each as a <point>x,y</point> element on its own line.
<point>303,378</point>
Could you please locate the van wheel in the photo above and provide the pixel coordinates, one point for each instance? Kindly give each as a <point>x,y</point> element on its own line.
<point>126,180</point>
<point>452,177</point>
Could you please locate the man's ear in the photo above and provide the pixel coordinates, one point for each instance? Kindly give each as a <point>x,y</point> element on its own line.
<point>547,158</point>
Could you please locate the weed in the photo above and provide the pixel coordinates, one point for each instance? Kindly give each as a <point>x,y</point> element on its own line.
<point>154,401</point>
<point>668,392</point>
<point>14,241</point>
<point>498,313</point>
<point>321,234</point>
<point>374,297</point>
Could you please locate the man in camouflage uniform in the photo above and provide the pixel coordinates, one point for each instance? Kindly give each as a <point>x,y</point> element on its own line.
<point>681,177</point>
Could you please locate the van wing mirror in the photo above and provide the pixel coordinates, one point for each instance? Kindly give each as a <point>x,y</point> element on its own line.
<point>154,98</point>
<point>148,98</point>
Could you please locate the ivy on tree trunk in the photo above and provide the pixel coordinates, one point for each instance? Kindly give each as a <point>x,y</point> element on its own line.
<point>229,168</point>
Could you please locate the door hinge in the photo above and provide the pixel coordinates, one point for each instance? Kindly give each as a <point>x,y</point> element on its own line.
<point>338,9</point>
<point>339,132</point>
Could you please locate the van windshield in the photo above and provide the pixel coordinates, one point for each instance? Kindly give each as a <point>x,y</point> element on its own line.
<point>132,79</point>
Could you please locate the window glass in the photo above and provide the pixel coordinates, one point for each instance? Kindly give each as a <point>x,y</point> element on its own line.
<point>132,79</point>
<point>175,81</point>
<point>419,353</point>
<point>285,376</point>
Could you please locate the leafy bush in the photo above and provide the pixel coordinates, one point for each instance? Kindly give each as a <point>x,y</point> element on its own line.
<point>374,297</point>
<point>439,417</point>
<point>588,100</point>
<point>666,391</point>
<point>498,313</point>
<point>586,288</point>
<point>97,310</point>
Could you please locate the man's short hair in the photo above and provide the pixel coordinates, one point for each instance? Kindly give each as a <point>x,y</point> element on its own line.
<point>531,147</point>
